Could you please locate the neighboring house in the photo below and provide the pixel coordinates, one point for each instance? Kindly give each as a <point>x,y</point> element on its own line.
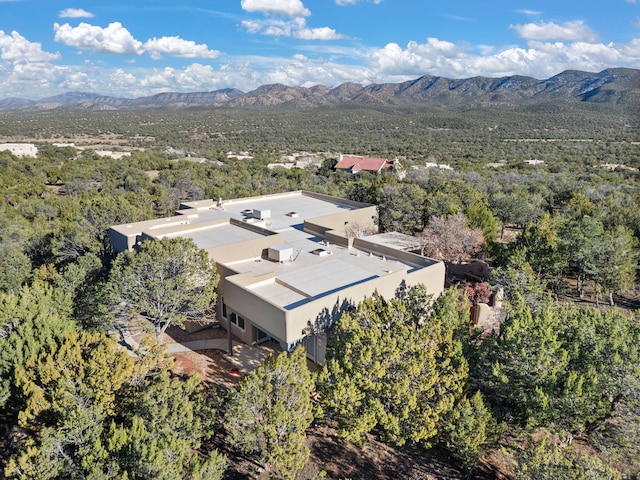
<point>239,155</point>
<point>355,164</point>
<point>20,149</point>
<point>112,154</point>
<point>290,263</point>
<point>443,166</point>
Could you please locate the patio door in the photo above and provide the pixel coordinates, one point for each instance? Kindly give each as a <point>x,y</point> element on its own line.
<point>261,336</point>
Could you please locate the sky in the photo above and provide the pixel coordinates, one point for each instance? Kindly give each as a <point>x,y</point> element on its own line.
<point>142,47</point>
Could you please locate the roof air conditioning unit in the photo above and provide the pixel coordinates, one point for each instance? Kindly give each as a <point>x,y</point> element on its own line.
<point>280,253</point>
<point>262,214</point>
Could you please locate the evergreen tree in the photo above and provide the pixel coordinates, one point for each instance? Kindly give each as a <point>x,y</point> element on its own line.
<point>550,462</point>
<point>541,242</point>
<point>89,413</point>
<point>470,429</point>
<point>389,368</point>
<point>165,426</point>
<point>517,279</point>
<point>616,262</point>
<point>15,267</point>
<point>563,368</point>
<point>579,241</point>
<point>521,368</point>
<point>30,322</point>
<point>270,412</point>
<point>167,282</point>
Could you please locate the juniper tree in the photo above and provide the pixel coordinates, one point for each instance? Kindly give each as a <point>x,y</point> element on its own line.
<point>390,369</point>
<point>30,320</point>
<point>469,429</point>
<point>562,368</point>
<point>89,413</point>
<point>270,411</point>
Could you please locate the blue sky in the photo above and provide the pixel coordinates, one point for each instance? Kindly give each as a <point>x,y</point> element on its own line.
<point>143,47</point>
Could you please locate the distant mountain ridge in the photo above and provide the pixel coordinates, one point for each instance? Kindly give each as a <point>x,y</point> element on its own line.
<point>614,86</point>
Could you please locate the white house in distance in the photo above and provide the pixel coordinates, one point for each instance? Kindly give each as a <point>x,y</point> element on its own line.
<point>20,149</point>
<point>290,262</point>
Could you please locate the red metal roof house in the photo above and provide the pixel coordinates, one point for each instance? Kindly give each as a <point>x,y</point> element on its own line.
<point>355,164</point>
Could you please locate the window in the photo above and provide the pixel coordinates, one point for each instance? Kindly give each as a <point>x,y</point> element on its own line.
<point>224,309</point>
<point>236,320</point>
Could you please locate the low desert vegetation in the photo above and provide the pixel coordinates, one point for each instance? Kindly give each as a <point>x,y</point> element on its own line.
<point>554,389</point>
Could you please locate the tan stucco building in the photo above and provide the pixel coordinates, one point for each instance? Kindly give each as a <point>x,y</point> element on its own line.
<point>290,262</point>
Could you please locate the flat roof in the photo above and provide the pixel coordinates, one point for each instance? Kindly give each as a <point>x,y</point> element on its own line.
<point>217,235</point>
<point>315,269</point>
<point>397,240</point>
<point>286,209</point>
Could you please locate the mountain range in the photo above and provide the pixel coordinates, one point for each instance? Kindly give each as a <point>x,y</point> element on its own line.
<point>615,86</point>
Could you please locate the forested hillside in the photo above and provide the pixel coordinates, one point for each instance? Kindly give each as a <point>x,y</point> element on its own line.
<point>614,87</point>
<point>547,194</point>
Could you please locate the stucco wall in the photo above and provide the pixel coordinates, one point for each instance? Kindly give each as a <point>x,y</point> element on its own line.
<point>260,311</point>
<point>20,149</point>
<point>288,325</point>
<point>340,221</point>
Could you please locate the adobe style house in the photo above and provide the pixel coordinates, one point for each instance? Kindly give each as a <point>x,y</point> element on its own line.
<point>355,164</point>
<point>290,262</point>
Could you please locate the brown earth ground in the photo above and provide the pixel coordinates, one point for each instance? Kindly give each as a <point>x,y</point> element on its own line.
<point>211,365</point>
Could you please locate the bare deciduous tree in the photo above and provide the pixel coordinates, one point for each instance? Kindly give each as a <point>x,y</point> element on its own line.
<point>450,239</point>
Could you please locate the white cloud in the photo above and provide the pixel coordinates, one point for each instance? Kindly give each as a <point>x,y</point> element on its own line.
<point>416,59</point>
<point>292,8</point>
<point>299,70</point>
<point>117,40</point>
<point>178,47</point>
<point>77,80</point>
<point>343,3</point>
<point>540,60</point>
<point>195,77</point>
<point>295,28</point>
<point>123,80</point>
<point>550,49</point>
<point>568,31</point>
<point>75,13</point>
<point>15,48</point>
<point>529,12</point>
<point>636,22</point>
<point>322,33</point>
<point>392,63</point>
<point>253,26</point>
<point>113,39</point>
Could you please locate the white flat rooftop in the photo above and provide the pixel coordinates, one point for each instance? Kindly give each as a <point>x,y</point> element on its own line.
<point>309,275</point>
<point>287,209</point>
<point>314,269</point>
<point>217,235</point>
